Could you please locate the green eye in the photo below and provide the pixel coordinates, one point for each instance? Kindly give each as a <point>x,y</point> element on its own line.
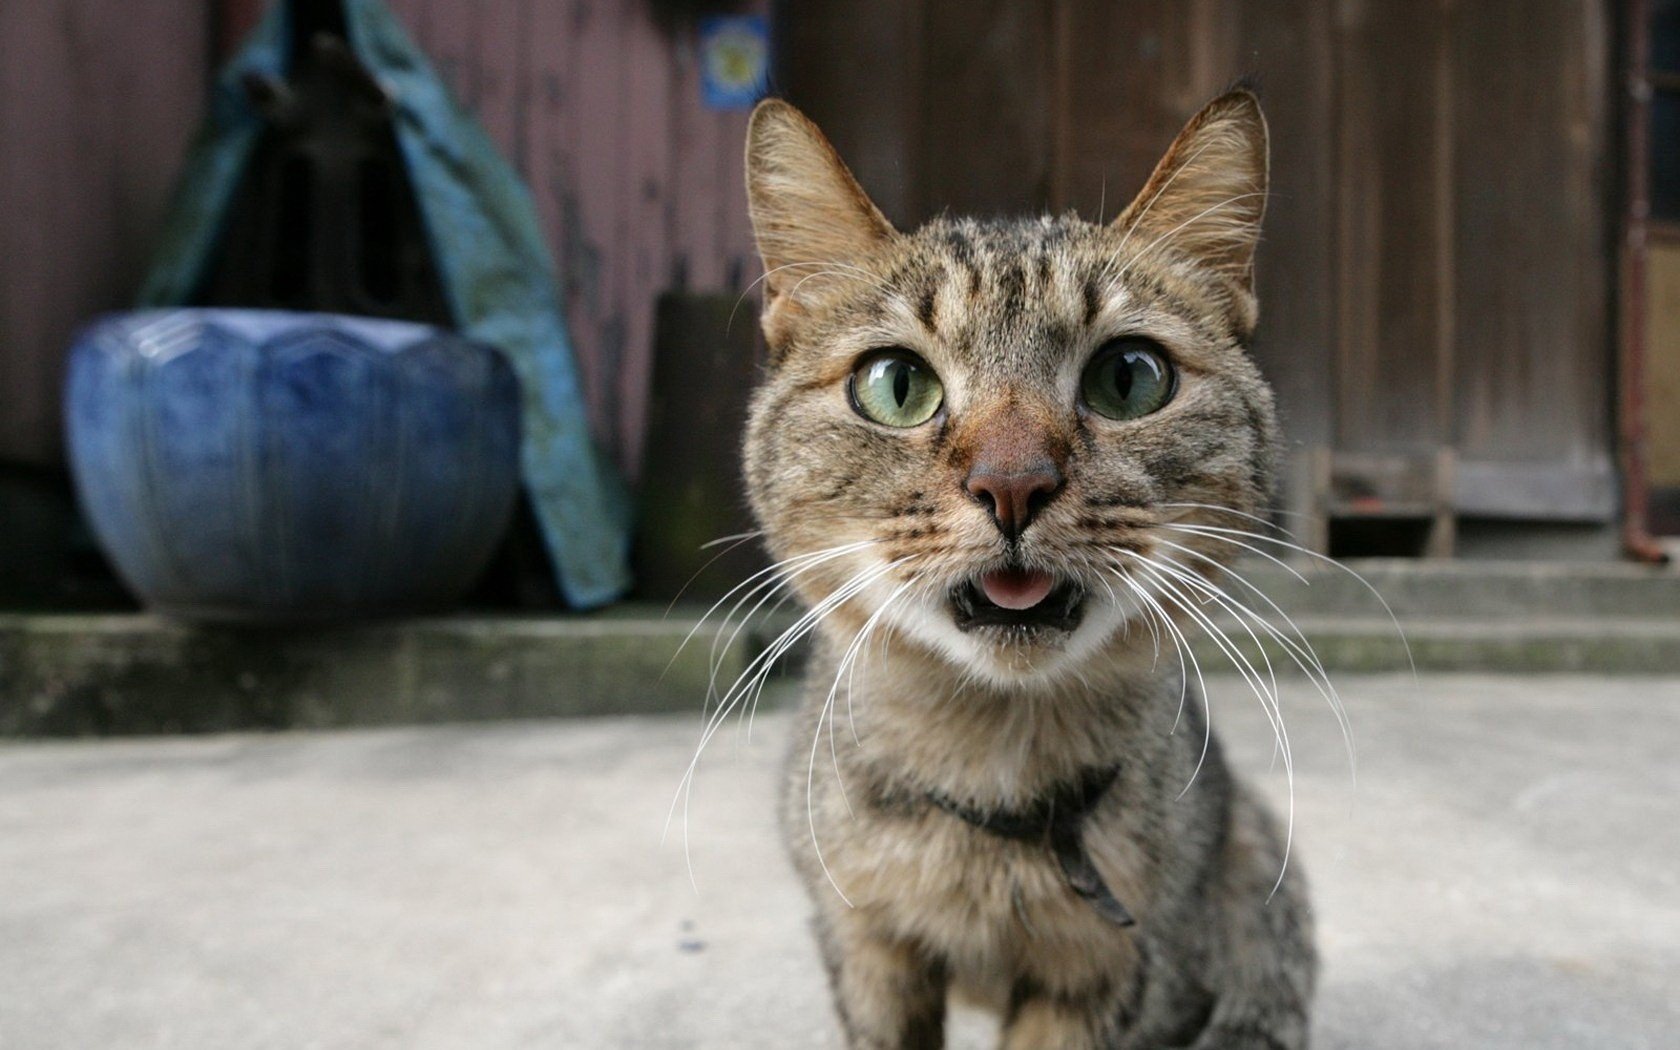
<point>1128,378</point>
<point>897,388</point>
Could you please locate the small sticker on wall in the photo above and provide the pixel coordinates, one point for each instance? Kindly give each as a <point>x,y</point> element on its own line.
<point>734,60</point>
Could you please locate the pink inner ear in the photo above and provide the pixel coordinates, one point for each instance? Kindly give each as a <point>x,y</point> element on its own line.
<point>1016,589</point>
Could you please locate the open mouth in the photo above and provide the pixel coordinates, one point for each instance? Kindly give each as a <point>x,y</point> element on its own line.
<point>1022,600</point>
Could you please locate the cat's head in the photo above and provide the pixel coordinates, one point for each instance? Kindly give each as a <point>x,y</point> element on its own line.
<point>995,439</point>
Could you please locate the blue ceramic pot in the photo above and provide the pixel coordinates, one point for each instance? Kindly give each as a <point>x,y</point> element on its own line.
<point>251,464</point>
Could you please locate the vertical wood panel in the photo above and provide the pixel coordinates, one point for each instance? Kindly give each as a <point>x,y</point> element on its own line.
<point>855,67</point>
<point>985,119</point>
<point>734,226</point>
<point>637,185</point>
<point>98,99</point>
<point>1394,226</point>
<point>644,226</point>
<point>597,316</point>
<point>1662,375</point>
<point>551,160</point>
<point>1433,269</point>
<point>697,183</point>
<point>1288,44</point>
<point>1531,248</point>
<point>1131,75</point>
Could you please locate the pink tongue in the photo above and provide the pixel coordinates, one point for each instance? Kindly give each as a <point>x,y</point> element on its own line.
<point>1014,589</point>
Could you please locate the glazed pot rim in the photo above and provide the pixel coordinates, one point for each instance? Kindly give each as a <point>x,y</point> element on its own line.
<point>261,324</point>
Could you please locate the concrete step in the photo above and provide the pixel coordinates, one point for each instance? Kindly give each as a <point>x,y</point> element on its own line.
<point>94,674</point>
<point>1541,646</point>
<point>1468,590</point>
<point>1370,645</point>
<point>63,675</point>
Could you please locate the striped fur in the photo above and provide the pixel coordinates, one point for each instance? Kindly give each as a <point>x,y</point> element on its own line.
<point>912,904</point>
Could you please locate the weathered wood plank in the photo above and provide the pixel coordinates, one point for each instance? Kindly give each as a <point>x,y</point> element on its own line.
<point>1288,45</point>
<point>637,184</point>
<point>98,100</point>
<point>596,312</point>
<point>696,181</point>
<point>1529,133</point>
<point>855,68</point>
<point>985,141</point>
<point>644,227</point>
<point>1128,77</point>
<point>1662,374</point>
<point>551,159</point>
<point>1394,240</point>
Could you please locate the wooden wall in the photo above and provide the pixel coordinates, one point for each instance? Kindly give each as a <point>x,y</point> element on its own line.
<point>98,100</point>
<point>638,186</point>
<point>1435,269</point>
<point>1435,265</point>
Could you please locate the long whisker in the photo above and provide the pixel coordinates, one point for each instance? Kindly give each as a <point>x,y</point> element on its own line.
<point>1217,532</point>
<point>857,646</point>
<point>769,570</point>
<point>763,660</point>
<point>734,541</point>
<point>1184,649</point>
<point>1268,523</point>
<point>756,671</point>
<point>846,664</point>
<point>725,639</point>
<point>1274,693</point>
<point>749,534</point>
<point>1299,648</point>
<point>1268,701</point>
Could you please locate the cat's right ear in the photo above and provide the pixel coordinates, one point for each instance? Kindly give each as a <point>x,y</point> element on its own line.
<point>808,212</point>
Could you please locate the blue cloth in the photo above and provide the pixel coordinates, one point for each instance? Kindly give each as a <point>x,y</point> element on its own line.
<point>495,270</point>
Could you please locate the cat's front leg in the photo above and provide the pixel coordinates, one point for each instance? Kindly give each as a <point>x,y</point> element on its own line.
<point>1040,1019</point>
<point>890,994</point>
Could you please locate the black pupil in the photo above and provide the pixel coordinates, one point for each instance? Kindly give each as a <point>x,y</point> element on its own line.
<point>1123,375</point>
<point>900,382</point>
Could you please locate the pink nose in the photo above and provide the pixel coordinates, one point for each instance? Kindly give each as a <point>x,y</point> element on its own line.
<point>1014,496</point>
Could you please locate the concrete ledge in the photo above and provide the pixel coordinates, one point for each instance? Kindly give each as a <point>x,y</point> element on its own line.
<point>1360,645</point>
<point>1470,590</point>
<point>67,675</point>
<point>73,675</point>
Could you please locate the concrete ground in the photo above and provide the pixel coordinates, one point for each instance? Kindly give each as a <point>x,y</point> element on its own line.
<point>1507,875</point>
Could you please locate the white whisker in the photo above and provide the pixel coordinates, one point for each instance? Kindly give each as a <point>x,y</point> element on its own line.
<point>1184,649</point>
<point>754,674</point>
<point>1217,532</point>
<point>1299,648</point>
<point>1268,701</point>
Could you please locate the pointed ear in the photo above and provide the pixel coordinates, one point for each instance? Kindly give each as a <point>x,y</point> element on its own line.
<point>1208,193</point>
<point>807,210</point>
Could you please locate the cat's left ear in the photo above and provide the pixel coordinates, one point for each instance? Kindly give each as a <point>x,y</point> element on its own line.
<point>1206,197</point>
<point>808,212</point>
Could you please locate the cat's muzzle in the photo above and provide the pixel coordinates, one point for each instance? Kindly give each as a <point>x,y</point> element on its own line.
<point>1059,611</point>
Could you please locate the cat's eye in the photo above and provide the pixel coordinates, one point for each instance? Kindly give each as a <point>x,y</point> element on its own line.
<point>1128,378</point>
<point>896,388</point>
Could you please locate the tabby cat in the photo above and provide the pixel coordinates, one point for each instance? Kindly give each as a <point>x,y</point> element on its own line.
<point>998,460</point>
